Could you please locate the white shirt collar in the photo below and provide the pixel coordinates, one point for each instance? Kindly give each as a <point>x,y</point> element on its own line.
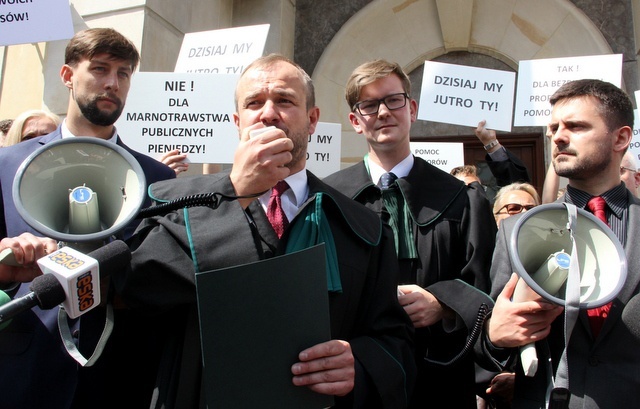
<point>294,197</point>
<point>401,170</point>
<point>66,133</point>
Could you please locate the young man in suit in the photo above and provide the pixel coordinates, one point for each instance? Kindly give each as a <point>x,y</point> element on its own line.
<point>34,364</point>
<point>444,233</point>
<point>590,128</point>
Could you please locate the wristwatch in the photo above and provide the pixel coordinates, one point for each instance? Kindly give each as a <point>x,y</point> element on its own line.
<point>490,145</point>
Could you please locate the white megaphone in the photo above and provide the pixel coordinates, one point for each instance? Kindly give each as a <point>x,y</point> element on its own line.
<point>79,190</point>
<point>541,247</point>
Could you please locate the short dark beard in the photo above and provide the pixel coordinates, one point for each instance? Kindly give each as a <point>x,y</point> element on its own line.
<point>299,151</point>
<point>585,169</point>
<point>91,111</point>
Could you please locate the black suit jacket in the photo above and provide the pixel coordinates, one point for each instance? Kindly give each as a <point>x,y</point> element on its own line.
<point>170,250</point>
<point>508,171</point>
<point>454,233</point>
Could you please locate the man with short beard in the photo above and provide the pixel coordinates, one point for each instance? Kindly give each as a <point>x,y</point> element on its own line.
<point>590,129</point>
<point>35,369</point>
<point>368,363</point>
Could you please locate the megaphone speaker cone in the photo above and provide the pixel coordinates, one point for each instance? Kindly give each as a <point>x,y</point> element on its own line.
<point>540,248</point>
<point>62,188</point>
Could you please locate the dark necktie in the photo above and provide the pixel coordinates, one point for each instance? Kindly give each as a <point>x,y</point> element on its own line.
<point>389,199</point>
<point>394,213</point>
<point>387,179</point>
<point>597,206</point>
<point>275,213</point>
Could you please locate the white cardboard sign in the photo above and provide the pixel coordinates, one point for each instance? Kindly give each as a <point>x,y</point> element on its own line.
<point>33,21</point>
<point>225,51</point>
<point>539,79</point>
<point>462,95</point>
<point>634,146</point>
<point>194,113</point>
<point>323,152</point>
<point>189,112</point>
<point>443,155</point>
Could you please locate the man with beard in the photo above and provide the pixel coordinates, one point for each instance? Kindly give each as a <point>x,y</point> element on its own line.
<point>36,370</point>
<point>591,126</point>
<point>368,363</point>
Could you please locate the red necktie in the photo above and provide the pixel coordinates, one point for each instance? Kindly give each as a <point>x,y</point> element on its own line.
<point>275,213</point>
<point>597,205</point>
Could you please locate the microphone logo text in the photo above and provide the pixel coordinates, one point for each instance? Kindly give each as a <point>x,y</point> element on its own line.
<point>84,287</point>
<point>66,260</point>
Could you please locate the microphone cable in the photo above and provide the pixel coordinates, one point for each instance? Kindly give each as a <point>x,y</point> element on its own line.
<point>212,200</point>
<point>483,313</point>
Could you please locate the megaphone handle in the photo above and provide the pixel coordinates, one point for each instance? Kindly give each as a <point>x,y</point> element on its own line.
<point>528,354</point>
<point>7,258</point>
<point>529,359</point>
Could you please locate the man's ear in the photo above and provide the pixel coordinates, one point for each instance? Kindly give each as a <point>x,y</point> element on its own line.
<point>413,109</point>
<point>355,122</point>
<point>66,75</point>
<point>314,118</point>
<point>623,138</point>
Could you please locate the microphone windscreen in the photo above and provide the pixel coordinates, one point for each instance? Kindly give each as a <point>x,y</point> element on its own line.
<point>4,298</point>
<point>112,257</point>
<point>48,291</point>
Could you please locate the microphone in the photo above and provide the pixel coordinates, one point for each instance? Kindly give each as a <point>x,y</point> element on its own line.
<point>70,278</point>
<point>4,298</point>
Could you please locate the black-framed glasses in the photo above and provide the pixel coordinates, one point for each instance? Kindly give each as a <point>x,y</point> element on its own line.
<point>623,168</point>
<point>514,208</point>
<point>371,106</point>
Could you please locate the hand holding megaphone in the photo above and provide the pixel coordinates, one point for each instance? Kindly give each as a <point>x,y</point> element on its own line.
<point>551,276</point>
<point>20,253</point>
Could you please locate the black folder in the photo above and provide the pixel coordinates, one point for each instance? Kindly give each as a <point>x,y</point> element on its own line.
<point>254,320</point>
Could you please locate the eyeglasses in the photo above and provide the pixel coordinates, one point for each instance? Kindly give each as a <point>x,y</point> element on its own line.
<point>623,168</point>
<point>515,208</point>
<point>371,106</point>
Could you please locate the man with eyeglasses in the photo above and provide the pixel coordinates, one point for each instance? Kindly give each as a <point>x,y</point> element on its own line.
<point>444,232</point>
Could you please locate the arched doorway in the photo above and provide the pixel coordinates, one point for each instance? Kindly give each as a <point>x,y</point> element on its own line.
<point>455,31</point>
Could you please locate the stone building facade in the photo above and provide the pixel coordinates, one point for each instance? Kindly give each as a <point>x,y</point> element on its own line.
<point>330,37</point>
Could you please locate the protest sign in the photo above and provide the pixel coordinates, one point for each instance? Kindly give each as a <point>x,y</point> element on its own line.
<point>634,146</point>
<point>323,152</point>
<point>461,95</point>
<point>225,51</point>
<point>539,79</point>
<point>189,112</point>
<point>33,21</point>
<point>194,114</point>
<point>443,155</point>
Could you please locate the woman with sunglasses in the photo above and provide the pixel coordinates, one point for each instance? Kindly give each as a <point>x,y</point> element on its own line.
<point>513,199</point>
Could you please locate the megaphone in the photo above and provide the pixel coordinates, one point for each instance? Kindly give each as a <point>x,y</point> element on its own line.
<point>79,190</point>
<point>541,249</point>
<point>542,238</point>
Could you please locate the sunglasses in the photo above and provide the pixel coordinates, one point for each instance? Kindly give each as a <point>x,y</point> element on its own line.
<point>514,208</point>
